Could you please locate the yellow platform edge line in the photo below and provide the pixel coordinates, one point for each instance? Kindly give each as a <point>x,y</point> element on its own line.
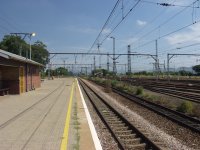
<point>67,122</point>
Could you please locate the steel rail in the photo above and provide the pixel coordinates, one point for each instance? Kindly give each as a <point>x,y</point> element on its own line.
<point>144,139</point>
<point>180,118</point>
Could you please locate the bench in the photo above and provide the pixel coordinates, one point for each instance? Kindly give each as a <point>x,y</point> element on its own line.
<point>4,91</point>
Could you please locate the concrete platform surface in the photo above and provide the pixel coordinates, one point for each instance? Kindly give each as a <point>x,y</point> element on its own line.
<point>37,120</point>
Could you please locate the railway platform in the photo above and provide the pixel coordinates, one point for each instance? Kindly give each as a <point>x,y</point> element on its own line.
<point>52,117</point>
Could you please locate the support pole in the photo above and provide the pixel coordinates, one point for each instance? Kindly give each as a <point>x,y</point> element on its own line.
<point>157,65</point>
<point>114,59</point>
<point>49,69</point>
<point>168,68</point>
<point>94,64</point>
<point>98,46</point>
<point>129,59</point>
<point>64,63</point>
<point>108,62</point>
<point>125,68</point>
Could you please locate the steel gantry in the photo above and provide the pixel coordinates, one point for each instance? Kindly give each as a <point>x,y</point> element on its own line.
<point>116,56</point>
<point>170,56</point>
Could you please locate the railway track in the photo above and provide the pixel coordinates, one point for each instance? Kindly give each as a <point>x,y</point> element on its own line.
<point>183,120</point>
<point>125,134</point>
<point>186,92</point>
<point>182,95</point>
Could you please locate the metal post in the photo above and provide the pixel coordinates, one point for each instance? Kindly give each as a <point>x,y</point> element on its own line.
<point>98,46</point>
<point>114,62</point>
<point>164,67</point>
<point>157,65</point>
<point>48,68</point>
<point>20,50</point>
<point>107,61</point>
<point>94,64</point>
<point>125,68</point>
<point>75,59</point>
<point>91,68</point>
<point>64,63</point>
<point>30,47</point>
<point>72,69</point>
<point>129,59</point>
<point>168,68</point>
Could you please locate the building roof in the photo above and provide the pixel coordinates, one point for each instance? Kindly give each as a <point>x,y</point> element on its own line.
<point>8,55</point>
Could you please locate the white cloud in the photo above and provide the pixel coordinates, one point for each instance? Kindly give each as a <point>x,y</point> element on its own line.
<point>192,35</point>
<point>106,31</point>
<point>141,23</point>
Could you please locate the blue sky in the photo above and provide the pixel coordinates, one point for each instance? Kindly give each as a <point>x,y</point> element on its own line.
<point>72,26</point>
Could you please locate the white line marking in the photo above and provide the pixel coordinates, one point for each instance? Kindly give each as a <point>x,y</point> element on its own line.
<point>91,125</point>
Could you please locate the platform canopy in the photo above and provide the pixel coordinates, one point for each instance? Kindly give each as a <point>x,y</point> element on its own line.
<point>8,55</point>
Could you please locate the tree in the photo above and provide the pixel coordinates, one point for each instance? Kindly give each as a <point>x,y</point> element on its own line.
<point>14,44</point>
<point>185,73</point>
<point>61,71</point>
<point>40,53</point>
<point>196,69</point>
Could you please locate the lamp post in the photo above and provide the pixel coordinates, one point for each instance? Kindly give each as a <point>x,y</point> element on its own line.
<point>26,34</point>
<point>114,63</point>
<point>30,35</point>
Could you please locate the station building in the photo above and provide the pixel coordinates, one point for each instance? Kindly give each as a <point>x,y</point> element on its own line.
<point>18,74</point>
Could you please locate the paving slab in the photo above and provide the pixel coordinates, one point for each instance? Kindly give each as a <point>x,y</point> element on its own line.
<point>36,120</point>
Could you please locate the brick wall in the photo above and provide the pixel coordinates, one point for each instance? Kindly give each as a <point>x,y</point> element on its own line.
<point>10,75</point>
<point>1,79</point>
<point>10,79</point>
<point>34,80</point>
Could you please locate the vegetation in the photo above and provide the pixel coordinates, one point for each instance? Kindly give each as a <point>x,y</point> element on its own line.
<point>177,73</point>
<point>196,69</point>
<point>17,45</point>
<point>139,91</point>
<point>185,107</point>
<point>102,73</point>
<point>61,71</point>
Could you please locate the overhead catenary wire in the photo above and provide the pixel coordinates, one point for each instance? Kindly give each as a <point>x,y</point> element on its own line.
<point>162,24</point>
<point>105,24</point>
<point>167,4</point>
<point>172,32</point>
<point>125,16</point>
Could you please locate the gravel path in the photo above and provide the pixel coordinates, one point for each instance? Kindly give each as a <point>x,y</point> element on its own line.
<point>159,127</point>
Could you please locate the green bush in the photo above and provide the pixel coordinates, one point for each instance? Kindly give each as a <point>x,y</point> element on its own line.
<point>139,90</point>
<point>113,83</point>
<point>185,107</point>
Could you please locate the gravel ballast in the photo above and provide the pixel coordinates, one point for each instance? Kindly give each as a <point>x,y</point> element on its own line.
<point>107,141</point>
<point>160,128</point>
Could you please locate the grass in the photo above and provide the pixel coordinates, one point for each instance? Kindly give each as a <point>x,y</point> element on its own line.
<point>139,90</point>
<point>196,111</point>
<point>186,107</point>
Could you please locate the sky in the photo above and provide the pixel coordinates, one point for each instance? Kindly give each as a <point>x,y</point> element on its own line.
<point>73,26</point>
